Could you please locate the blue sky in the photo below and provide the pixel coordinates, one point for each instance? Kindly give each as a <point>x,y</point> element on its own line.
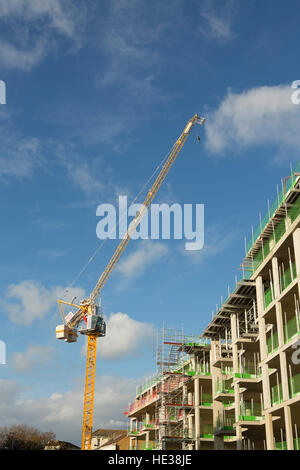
<point>97,93</point>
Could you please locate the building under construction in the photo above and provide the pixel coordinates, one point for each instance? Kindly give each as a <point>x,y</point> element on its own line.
<point>237,385</point>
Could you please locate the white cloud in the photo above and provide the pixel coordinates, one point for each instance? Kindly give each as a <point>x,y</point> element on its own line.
<point>19,156</point>
<point>217,22</point>
<point>59,15</point>
<point>19,58</point>
<point>32,26</point>
<point>29,300</point>
<point>22,156</point>
<point>9,393</point>
<point>52,253</point>
<point>148,253</point>
<point>217,240</point>
<point>131,39</point>
<point>124,336</point>
<point>92,177</point>
<point>83,178</point>
<point>62,412</point>
<point>111,129</point>
<point>34,355</point>
<point>263,115</point>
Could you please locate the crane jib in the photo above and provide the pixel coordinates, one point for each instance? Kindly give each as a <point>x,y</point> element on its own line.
<point>148,200</point>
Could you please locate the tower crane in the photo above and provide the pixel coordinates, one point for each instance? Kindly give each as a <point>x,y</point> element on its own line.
<point>86,317</point>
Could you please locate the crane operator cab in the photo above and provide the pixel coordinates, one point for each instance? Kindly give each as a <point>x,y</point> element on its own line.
<point>94,322</point>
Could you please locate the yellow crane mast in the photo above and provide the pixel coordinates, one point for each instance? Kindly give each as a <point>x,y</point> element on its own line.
<point>88,313</point>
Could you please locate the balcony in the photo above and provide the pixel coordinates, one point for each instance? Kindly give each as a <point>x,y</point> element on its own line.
<point>224,387</point>
<point>269,296</point>
<point>282,445</point>
<point>206,400</point>
<point>225,426</point>
<point>251,411</point>
<point>276,394</point>
<point>294,384</point>
<point>207,431</point>
<point>229,405</point>
<point>291,328</point>
<point>135,430</point>
<point>198,372</point>
<point>272,341</point>
<point>149,426</point>
<point>250,370</point>
<point>286,277</point>
<point>227,371</point>
<point>151,446</point>
<point>141,402</point>
<point>144,446</point>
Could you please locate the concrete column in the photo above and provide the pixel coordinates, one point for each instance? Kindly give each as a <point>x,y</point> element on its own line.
<point>147,418</point>
<point>275,274</point>
<point>133,443</point>
<point>287,223</point>
<point>279,321</point>
<point>261,321</point>
<point>288,428</point>
<point>131,423</point>
<point>269,431</point>
<point>219,443</point>
<point>264,366</point>
<point>193,362</point>
<point>296,241</point>
<point>263,342</point>
<point>217,406</point>
<point>147,439</point>
<point>190,425</point>
<point>260,295</point>
<point>239,444</point>
<point>239,435</point>
<point>284,376</point>
<point>235,357</point>
<point>237,401</point>
<point>266,386</point>
<point>262,339</point>
<point>197,413</point>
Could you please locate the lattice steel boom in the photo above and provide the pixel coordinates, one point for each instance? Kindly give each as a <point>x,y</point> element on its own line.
<point>149,198</point>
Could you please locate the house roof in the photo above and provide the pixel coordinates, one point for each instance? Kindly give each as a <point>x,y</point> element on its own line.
<point>115,440</point>
<point>62,444</point>
<point>109,432</point>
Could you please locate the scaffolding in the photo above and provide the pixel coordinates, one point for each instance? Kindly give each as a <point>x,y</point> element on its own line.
<point>174,407</point>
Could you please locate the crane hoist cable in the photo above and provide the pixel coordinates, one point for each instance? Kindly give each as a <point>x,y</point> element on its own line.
<point>89,312</point>
<point>98,249</point>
